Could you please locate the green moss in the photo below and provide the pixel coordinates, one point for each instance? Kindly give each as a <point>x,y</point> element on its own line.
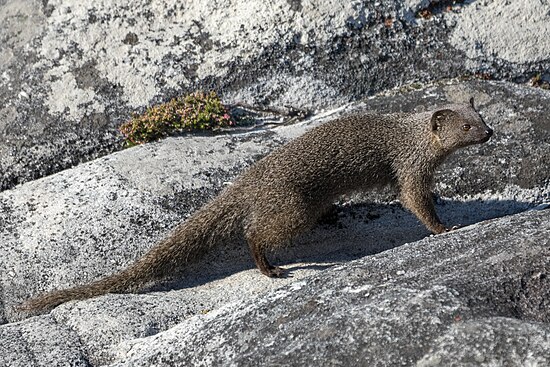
<point>197,111</point>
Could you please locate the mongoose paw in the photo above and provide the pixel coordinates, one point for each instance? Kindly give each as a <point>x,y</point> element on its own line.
<point>276,272</point>
<point>442,229</point>
<point>439,229</point>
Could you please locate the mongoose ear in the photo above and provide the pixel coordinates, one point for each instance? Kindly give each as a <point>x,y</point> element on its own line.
<point>439,117</point>
<point>472,102</point>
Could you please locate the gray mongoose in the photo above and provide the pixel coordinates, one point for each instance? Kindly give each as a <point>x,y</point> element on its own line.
<point>287,191</point>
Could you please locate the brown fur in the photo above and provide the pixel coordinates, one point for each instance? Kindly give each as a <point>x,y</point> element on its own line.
<point>286,192</point>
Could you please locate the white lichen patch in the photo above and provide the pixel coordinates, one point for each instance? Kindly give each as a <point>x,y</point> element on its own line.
<point>96,33</point>
<point>144,46</point>
<point>504,29</point>
<point>7,113</point>
<point>524,198</point>
<point>18,20</point>
<point>363,289</point>
<point>66,97</point>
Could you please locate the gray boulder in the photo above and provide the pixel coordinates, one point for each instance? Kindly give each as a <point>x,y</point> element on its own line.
<point>71,72</point>
<point>476,297</point>
<point>368,286</point>
<point>94,219</point>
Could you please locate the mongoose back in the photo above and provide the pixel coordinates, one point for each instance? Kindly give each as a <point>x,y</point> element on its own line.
<point>286,192</point>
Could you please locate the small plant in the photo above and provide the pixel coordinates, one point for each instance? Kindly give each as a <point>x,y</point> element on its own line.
<point>424,13</point>
<point>196,111</point>
<point>438,7</point>
<point>538,81</point>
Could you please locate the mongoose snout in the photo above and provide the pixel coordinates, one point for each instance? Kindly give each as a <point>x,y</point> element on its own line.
<point>488,133</point>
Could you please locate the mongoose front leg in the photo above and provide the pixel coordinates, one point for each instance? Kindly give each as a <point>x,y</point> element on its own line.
<point>417,197</point>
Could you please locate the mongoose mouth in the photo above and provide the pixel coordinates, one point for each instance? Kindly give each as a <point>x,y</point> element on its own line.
<point>488,134</point>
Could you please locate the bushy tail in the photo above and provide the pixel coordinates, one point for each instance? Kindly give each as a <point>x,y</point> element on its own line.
<point>189,241</point>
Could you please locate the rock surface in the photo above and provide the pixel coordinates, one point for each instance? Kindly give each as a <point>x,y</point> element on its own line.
<point>479,296</point>
<point>71,72</point>
<point>366,287</point>
<point>98,217</point>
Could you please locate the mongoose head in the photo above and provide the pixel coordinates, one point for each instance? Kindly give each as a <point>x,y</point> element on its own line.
<point>457,126</point>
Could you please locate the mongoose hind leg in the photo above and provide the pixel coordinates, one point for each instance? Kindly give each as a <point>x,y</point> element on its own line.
<point>264,266</point>
<point>258,245</point>
<point>272,231</point>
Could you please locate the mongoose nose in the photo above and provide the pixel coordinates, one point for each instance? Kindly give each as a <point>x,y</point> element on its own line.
<point>489,132</point>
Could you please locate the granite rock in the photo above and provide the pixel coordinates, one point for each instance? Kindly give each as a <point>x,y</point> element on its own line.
<point>368,286</point>
<point>94,219</point>
<point>71,72</point>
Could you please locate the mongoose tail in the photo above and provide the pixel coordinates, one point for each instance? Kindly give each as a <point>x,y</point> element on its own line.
<point>186,243</point>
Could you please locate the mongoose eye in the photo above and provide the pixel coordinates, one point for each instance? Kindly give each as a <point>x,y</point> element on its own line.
<point>466,127</point>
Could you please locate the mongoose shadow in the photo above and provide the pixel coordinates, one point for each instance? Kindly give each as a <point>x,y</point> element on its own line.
<point>362,230</point>
<point>283,195</point>
<point>345,234</point>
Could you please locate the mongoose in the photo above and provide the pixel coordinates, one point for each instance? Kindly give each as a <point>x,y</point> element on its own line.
<point>287,191</point>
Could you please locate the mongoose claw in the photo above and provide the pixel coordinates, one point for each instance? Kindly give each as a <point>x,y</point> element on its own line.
<point>439,229</point>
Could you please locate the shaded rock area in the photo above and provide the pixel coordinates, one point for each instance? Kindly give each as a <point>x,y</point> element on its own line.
<point>71,72</point>
<point>369,285</point>
<point>478,296</point>
<point>96,218</point>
